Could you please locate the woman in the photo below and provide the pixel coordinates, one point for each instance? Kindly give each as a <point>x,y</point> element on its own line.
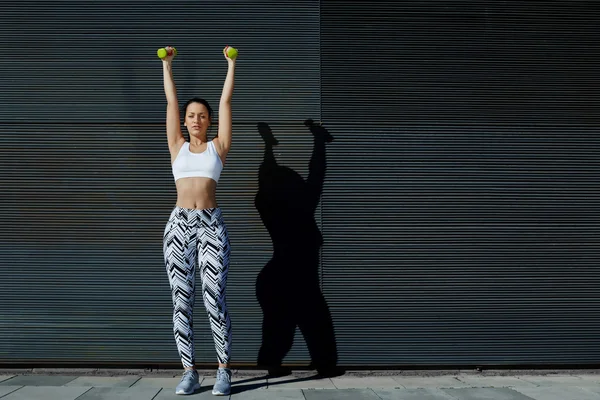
<point>196,232</point>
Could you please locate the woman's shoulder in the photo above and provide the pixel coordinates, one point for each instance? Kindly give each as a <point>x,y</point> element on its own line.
<point>176,150</point>
<point>215,142</point>
<point>217,148</point>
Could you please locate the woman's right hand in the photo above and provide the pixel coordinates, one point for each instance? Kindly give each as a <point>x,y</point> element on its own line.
<point>169,58</point>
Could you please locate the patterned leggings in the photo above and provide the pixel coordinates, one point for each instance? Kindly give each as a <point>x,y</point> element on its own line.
<point>191,237</point>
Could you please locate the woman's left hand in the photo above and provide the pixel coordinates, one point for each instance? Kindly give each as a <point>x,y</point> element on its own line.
<point>229,59</point>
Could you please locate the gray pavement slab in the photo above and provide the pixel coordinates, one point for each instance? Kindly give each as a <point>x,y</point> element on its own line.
<point>418,382</point>
<point>245,388</point>
<point>412,394</point>
<point>269,394</point>
<point>152,382</point>
<point>239,384</point>
<point>589,377</point>
<point>451,385</point>
<point>593,389</point>
<point>340,394</point>
<point>559,393</point>
<point>119,393</point>
<point>203,394</point>
<point>290,382</point>
<point>47,393</point>
<point>494,381</point>
<point>486,394</point>
<point>4,390</point>
<point>38,380</point>
<point>551,380</point>
<point>347,382</point>
<point>104,381</point>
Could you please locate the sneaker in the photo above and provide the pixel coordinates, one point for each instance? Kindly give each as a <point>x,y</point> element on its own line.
<point>223,384</point>
<point>190,382</point>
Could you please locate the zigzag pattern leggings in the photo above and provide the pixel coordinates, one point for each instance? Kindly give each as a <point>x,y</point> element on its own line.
<point>198,237</point>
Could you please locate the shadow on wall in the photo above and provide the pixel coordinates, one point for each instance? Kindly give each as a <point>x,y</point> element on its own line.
<point>287,288</point>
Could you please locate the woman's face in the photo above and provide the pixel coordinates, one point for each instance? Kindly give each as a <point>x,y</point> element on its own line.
<point>197,119</point>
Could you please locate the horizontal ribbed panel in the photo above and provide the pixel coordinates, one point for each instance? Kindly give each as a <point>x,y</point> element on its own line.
<point>87,187</point>
<point>392,62</point>
<point>469,245</point>
<point>83,210</point>
<point>96,61</point>
<point>461,206</point>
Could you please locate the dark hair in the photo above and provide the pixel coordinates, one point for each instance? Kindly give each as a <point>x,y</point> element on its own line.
<point>201,101</point>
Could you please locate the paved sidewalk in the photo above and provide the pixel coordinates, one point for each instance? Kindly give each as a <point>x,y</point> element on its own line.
<point>253,385</point>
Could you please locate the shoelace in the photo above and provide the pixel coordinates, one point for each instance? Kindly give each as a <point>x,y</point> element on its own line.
<point>188,374</point>
<point>222,374</point>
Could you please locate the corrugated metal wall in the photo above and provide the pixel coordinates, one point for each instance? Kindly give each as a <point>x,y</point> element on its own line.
<point>460,209</point>
<point>460,204</point>
<point>86,183</point>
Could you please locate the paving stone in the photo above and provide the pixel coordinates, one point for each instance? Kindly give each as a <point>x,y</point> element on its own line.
<point>46,393</point>
<point>593,389</point>
<point>559,393</point>
<point>288,382</point>
<point>269,394</point>
<point>4,390</point>
<point>104,381</point>
<point>589,377</point>
<point>159,382</point>
<point>494,381</point>
<point>203,394</point>
<point>552,380</point>
<point>412,394</point>
<point>119,393</point>
<point>417,382</point>
<point>340,394</point>
<point>366,382</point>
<point>238,384</point>
<point>486,394</point>
<point>38,380</point>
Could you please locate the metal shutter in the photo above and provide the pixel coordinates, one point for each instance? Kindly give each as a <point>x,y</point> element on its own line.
<point>460,204</point>
<point>86,183</point>
<point>460,211</point>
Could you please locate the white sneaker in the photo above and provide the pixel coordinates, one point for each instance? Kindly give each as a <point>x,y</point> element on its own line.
<point>190,382</point>
<point>223,384</point>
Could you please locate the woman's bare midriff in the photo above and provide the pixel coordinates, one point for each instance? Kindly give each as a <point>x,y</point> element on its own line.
<point>198,193</point>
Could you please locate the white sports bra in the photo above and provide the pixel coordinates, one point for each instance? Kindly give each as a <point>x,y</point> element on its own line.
<point>207,164</point>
